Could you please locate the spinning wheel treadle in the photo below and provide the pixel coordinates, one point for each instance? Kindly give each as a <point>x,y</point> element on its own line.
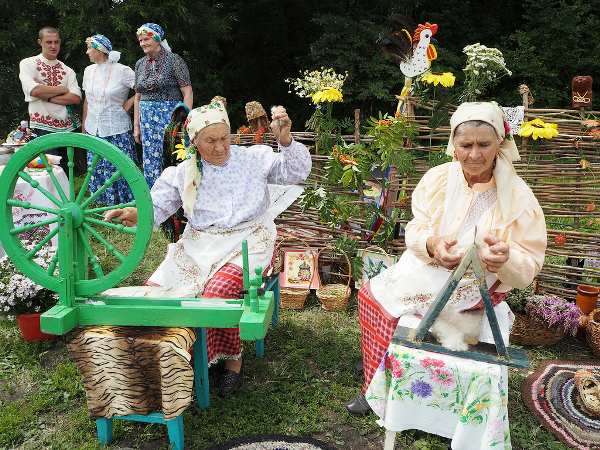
<point>77,216</point>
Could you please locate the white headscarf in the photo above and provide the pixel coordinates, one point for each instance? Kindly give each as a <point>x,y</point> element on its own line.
<point>504,171</point>
<point>197,120</point>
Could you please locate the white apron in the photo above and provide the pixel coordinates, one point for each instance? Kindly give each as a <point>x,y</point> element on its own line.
<point>198,255</point>
<point>411,285</point>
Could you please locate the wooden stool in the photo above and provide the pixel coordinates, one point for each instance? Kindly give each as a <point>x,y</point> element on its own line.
<point>175,427</point>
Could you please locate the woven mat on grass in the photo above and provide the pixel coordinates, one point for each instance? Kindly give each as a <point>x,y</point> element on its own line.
<point>273,442</point>
<point>550,394</point>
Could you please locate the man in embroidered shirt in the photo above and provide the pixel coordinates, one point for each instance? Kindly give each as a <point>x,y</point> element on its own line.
<point>50,88</point>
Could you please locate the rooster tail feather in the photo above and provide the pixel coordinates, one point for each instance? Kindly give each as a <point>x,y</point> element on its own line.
<point>406,22</point>
<point>396,44</point>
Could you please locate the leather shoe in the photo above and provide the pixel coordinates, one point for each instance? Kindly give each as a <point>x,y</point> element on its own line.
<point>230,381</point>
<point>358,368</point>
<point>358,406</point>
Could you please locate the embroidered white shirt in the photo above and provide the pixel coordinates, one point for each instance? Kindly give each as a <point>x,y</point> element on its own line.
<point>46,115</point>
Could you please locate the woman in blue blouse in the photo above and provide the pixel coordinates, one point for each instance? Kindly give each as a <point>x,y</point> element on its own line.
<point>162,80</point>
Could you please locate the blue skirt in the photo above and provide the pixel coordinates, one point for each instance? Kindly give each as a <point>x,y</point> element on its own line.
<point>118,192</point>
<point>154,118</point>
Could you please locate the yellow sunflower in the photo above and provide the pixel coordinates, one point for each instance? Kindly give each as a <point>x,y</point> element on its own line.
<point>327,95</point>
<point>446,79</point>
<point>180,153</point>
<point>537,128</point>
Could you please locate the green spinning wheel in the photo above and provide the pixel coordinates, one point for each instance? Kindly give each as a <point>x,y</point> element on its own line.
<point>73,211</point>
<point>78,274</point>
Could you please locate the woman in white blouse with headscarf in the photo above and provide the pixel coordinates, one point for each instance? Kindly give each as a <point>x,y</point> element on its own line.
<point>105,114</point>
<point>477,198</point>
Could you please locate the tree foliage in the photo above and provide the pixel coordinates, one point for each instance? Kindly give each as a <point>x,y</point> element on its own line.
<point>245,50</point>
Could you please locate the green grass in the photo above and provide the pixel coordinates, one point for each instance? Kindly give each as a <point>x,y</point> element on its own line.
<point>300,387</point>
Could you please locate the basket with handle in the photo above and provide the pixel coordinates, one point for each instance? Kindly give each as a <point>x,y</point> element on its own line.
<point>592,332</point>
<point>527,331</point>
<point>334,297</point>
<point>379,250</point>
<point>290,297</point>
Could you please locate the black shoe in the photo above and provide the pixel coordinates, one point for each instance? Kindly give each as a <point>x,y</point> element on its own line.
<point>358,368</point>
<point>230,381</point>
<point>358,406</point>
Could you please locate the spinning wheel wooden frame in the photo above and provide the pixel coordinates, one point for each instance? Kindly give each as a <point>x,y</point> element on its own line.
<point>80,275</point>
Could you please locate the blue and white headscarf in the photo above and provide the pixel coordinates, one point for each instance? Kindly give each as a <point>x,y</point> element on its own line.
<point>156,32</point>
<point>102,44</point>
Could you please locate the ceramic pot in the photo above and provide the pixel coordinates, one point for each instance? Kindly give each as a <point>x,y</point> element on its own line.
<point>29,324</point>
<point>587,298</point>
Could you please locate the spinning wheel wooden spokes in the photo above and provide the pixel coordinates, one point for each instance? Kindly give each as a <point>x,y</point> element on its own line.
<point>76,219</point>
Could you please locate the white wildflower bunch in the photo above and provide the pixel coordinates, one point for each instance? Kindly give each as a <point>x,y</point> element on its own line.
<point>316,80</point>
<point>19,294</point>
<point>485,66</point>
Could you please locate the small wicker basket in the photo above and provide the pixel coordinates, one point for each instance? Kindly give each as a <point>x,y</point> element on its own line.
<point>294,298</point>
<point>334,297</point>
<point>592,332</point>
<point>588,388</point>
<point>379,250</point>
<point>526,331</point>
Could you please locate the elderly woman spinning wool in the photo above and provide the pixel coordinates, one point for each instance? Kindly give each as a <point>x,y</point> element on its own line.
<point>223,191</point>
<point>477,198</point>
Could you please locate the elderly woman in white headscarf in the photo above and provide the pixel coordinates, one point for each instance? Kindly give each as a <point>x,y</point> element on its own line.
<point>105,114</point>
<point>478,197</point>
<point>223,191</point>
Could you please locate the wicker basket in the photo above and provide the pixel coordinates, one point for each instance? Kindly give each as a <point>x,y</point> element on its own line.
<point>526,331</point>
<point>334,297</point>
<point>592,332</point>
<point>378,249</point>
<point>588,388</point>
<point>294,298</point>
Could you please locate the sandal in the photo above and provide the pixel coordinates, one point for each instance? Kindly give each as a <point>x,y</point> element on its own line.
<point>588,387</point>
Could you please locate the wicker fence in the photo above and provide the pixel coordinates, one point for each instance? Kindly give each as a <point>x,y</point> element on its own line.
<point>567,192</point>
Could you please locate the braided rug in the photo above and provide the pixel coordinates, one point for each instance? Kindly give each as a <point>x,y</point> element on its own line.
<point>550,394</point>
<point>273,442</point>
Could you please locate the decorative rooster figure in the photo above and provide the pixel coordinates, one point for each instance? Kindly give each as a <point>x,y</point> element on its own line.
<point>414,53</point>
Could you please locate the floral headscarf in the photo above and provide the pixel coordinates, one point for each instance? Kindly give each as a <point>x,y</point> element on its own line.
<point>156,32</point>
<point>197,120</point>
<point>102,44</point>
<point>504,171</point>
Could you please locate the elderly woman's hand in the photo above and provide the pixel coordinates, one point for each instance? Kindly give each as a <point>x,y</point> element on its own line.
<point>128,216</point>
<point>438,248</point>
<point>281,126</point>
<point>499,253</point>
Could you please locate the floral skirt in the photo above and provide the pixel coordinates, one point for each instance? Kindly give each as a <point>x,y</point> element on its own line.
<point>118,192</point>
<point>154,118</point>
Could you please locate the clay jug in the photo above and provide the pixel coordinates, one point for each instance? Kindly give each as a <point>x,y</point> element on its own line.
<point>587,298</point>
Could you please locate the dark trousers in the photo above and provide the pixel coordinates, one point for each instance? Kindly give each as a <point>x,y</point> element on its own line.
<point>58,151</point>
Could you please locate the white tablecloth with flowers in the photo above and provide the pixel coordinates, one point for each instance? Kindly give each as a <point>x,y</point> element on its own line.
<point>457,398</point>
<point>24,191</point>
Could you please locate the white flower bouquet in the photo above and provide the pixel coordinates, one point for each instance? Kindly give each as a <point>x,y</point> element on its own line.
<point>20,295</point>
